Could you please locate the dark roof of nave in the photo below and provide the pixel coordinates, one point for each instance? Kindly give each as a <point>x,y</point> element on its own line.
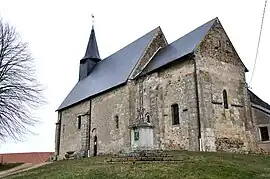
<point>116,69</point>
<point>109,72</point>
<point>179,48</point>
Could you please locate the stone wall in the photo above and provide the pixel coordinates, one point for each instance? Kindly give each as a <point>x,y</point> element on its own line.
<point>177,86</point>
<point>72,138</point>
<point>220,68</point>
<point>104,110</point>
<point>158,92</point>
<point>261,117</point>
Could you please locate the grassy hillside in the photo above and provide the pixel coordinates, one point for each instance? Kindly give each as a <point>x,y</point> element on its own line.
<point>8,166</point>
<point>194,165</point>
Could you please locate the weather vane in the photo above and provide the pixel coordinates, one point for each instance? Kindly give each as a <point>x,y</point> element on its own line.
<point>93,20</point>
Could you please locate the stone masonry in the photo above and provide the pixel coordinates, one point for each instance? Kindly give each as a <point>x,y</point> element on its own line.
<point>72,137</point>
<point>104,109</point>
<point>209,88</point>
<point>220,68</point>
<point>160,91</point>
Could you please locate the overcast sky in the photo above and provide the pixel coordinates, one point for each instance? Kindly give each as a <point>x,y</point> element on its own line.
<point>58,31</point>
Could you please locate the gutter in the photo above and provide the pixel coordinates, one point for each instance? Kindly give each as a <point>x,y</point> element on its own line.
<point>260,108</point>
<point>197,105</point>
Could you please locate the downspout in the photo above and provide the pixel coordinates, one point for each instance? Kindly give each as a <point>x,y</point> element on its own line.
<point>197,104</point>
<point>89,127</point>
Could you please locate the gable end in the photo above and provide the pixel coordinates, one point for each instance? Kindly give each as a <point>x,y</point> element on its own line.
<point>218,45</point>
<point>159,41</point>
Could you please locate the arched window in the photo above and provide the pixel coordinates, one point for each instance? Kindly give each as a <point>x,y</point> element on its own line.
<point>148,118</point>
<point>225,99</point>
<point>175,114</point>
<point>94,131</point>
<point>116,119</point>
<point>79,122</point>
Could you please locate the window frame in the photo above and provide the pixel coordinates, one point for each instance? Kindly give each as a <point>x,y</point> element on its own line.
<point>225,99</point>
<point>79,122</point>
<point>147,116</point>
<point>175,114</point>
<point>263,133</point>
<point>116,120</point>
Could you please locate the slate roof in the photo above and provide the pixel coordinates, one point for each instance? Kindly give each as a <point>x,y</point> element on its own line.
<point>256,100</point>
<point>110,72</point>
<point>92,48</point>
<point>115,69</point>
<point>181,47</point>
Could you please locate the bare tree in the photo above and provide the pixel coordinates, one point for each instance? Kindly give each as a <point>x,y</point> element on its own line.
<point>20,92</point>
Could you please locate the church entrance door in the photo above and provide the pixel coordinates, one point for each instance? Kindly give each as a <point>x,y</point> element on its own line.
<point>95,146</point>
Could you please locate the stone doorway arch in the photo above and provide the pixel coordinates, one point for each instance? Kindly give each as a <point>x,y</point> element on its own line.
<point>94,134</point>
<point>95,145</point>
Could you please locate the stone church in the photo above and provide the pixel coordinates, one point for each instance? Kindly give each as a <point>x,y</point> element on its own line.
<point>190,94</point>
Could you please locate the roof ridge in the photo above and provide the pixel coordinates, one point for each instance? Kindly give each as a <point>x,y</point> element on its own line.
<point>214,19</point>
<point>144,52</point>
<point>117,66</point>
<point>181,47</point>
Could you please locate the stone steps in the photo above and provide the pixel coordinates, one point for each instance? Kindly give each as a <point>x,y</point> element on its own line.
<point>125,159</point>
<point>143,155</point>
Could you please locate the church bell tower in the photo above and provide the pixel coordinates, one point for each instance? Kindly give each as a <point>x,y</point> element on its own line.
<point>91,57</point>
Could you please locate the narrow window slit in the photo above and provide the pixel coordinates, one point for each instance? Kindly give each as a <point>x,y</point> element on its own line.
<point>116,119</point>
<point>79,122</point>
<point>175,114</point>
<point>225,99</point>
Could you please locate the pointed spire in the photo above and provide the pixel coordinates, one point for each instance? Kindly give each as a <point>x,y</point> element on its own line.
<point>92,48</point>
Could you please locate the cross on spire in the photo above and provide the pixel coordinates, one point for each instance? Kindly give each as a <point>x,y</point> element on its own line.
<point>92,48</point>
<point>93,21</point>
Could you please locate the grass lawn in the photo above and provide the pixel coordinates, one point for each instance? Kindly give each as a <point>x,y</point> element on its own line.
<point>194,165</point>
